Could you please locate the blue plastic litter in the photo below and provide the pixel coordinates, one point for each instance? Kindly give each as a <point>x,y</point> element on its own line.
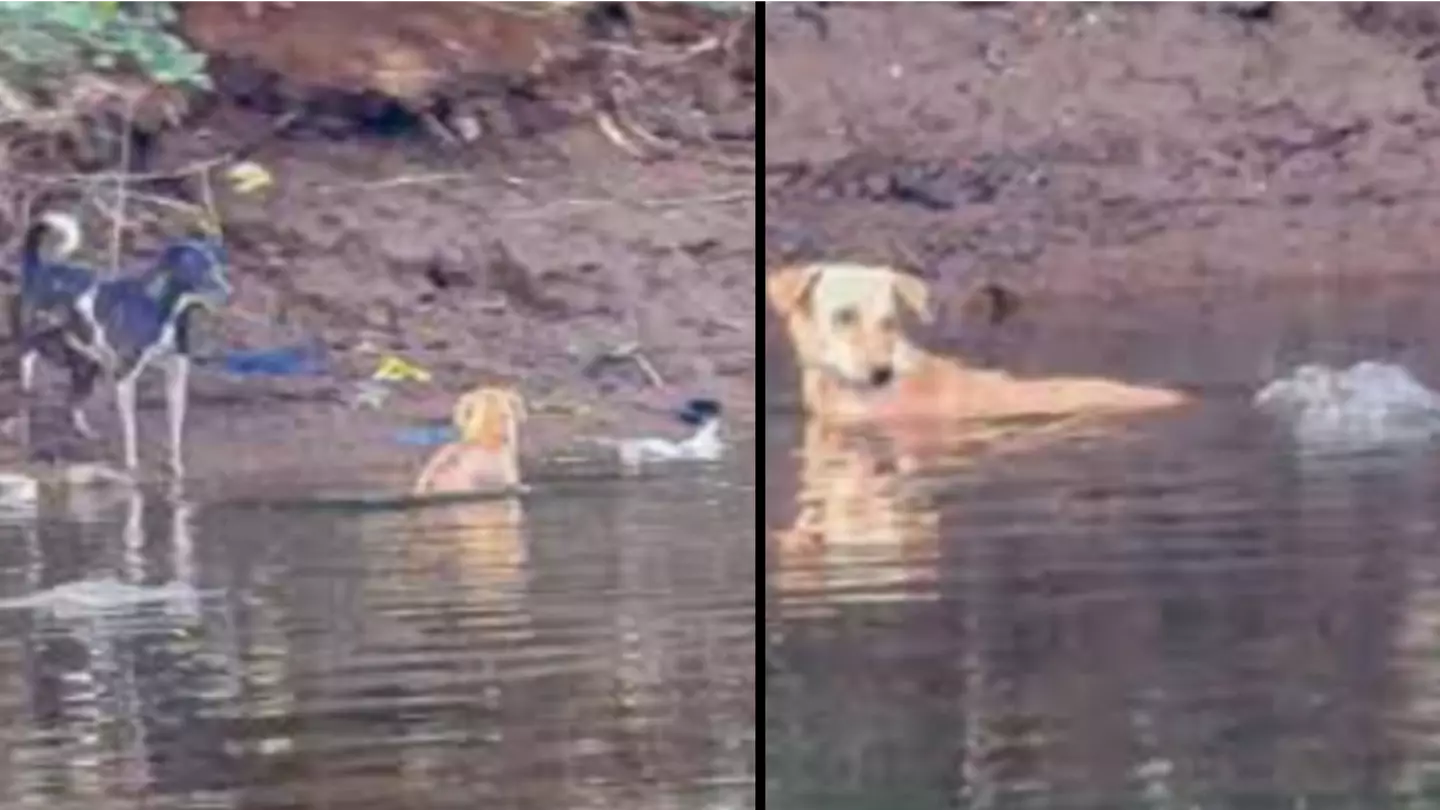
<point>431,435</point>
<point>288,361</point>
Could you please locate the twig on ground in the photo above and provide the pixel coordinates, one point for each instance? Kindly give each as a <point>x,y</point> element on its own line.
<point>622,122</point>
<point>650,203</point>
<point>191,211</point>
<point>669,58</point>
<point>212,223</point>
<point>402,180</point>
<point>734,32</point>
<point>612,131</point>
<point>620,128</point>
<point>631,351</point>
<point>95,178</point>
<point>645,366</point>
<point>698,199</point>
<point>104,207</point>
<point>171,203</point>
<point>118,227</point>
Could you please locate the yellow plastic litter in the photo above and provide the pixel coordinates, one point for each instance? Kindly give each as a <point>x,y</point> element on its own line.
<point>396,369</point>
<point>248,177</point>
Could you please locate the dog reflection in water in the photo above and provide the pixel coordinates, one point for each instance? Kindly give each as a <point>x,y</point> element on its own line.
<point>486,457</point>
<point>477,544</point>
<point>864,529</point>
<point>103,588</point>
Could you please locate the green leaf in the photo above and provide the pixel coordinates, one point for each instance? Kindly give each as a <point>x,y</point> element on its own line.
<point>58,39</point>
<point>79,16</point>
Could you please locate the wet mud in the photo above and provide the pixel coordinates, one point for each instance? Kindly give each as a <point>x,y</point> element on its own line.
<point>445,190</point>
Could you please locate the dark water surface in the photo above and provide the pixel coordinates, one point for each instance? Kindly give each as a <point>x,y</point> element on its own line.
<point>599,652</point>
<point>1180,614</point>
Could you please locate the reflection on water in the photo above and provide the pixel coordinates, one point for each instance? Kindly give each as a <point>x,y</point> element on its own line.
<point>1181,614</point>
<point>590,649</point>
<point>1195,623</point>
<point>1177,613</point>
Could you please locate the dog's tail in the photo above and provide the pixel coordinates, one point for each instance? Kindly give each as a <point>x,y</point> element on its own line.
<point>64,225</point>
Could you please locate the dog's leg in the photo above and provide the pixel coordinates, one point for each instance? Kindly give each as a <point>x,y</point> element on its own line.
<point>28,359</point>
<point>93,340</point>
<point>28,355</point>
<point>83,375</point>
<point>177,389</point>
<point>125,402</point>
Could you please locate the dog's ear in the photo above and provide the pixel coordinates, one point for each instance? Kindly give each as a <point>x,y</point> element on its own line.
<point>915,293</point>
<point>787,289</point>
<point>464,412</point>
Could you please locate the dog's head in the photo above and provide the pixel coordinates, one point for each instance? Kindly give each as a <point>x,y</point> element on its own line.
<point>844,318</point>
<point>490,416</point>
<point>200,268</point>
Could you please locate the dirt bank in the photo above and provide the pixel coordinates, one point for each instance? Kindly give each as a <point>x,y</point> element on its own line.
<point>474,220</point>
<point>1106,151</point>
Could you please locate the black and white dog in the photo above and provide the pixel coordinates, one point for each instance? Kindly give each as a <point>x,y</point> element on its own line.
<point>117,328</point>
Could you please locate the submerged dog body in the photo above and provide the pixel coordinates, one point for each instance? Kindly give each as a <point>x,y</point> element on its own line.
<point>487,455</point>
<point>116,328</point>
<point>857,365</point>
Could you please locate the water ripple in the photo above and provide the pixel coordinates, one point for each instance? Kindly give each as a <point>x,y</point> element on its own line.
<point>596,649</point>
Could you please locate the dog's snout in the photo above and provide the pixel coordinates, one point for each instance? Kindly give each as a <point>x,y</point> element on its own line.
<point>881,375</point>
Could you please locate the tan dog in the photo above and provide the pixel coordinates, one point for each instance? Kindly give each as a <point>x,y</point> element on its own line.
<point>487,455</point>
<point>857,365</point>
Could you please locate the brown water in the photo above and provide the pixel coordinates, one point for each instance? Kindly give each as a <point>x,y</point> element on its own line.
<point>1176,615</point>
<point>596,651</point>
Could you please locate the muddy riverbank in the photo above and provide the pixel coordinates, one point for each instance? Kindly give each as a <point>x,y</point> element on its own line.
<point>478,220</point>
<point>1105,151</point>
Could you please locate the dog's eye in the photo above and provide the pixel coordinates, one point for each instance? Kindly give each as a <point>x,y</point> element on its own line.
<point>847,317</point>
<point>887,323</point>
